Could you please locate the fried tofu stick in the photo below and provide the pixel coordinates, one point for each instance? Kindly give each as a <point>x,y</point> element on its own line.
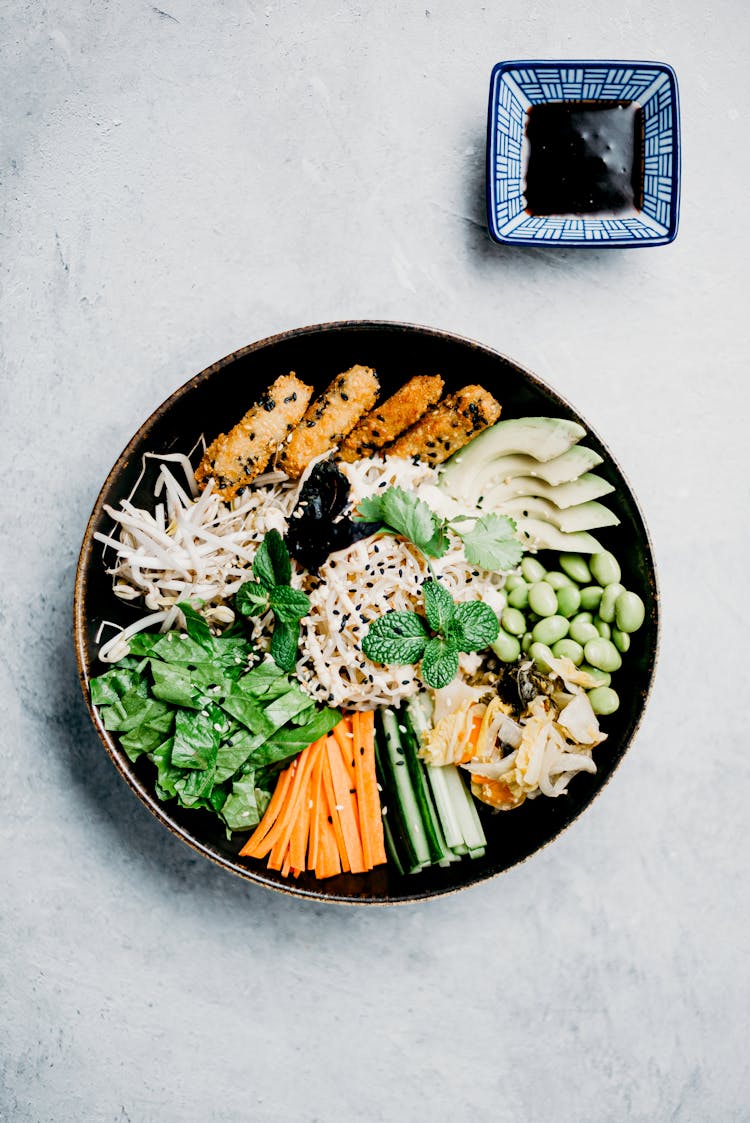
<point>389,420</point>
<point>235,458</point>
<point>330,418</point>
<point>448,426</point>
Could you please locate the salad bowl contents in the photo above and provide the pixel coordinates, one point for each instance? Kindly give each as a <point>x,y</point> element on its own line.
<point>354,593</point>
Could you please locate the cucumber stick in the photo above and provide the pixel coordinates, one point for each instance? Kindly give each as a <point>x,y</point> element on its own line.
<point>407,806</point>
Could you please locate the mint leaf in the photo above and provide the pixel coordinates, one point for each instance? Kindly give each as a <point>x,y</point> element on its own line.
<point>284,643</point>
<point>397,637</point>
<point>289,605</point>
<point>438,605</point>
<point>475,626</point>
<point>252,599</point>
<point>271,564</point>
<point>440,663</point>
<point>491,544</point>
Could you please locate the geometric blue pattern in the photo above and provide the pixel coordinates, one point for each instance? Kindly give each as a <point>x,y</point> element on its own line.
<point>515,86</point>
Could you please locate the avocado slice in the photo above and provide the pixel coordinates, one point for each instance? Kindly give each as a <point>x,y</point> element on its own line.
<point>544,438</point>
<point>539,535</point>
<point>584,516</point>
<point>586,487</point>
<point>562,469</point>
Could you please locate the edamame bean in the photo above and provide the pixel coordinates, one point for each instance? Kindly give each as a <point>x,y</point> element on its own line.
<point>568,649</point>
<point>602,653</point>
<point>603,700</point>
<point>605,568</point>
<point>630,612</point>
<point>582,628</point>
<point>519,596</point>
<point>514,581</point>
<point>550,630</point>
<point>590,597</point>
<point>568,600</point>
<point>541,655</point>
<point>575,567</point>
<point>526,642</point>
<point>532,570</point>
<point>542,599</point>
<point>621,640</point>
<point>557,579</point>
<point>607,604</point>
<point>603,628</point>
<point>601,678</point>
<point>513,621</point>
<point>507,648</point>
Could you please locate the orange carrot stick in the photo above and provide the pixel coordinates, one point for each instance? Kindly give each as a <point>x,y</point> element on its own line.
<point>347,800</point>
<point>345,740</point>
<point>282,830</point>
<point>334,811</point>
<point>270,816</point>
<point>370,814</point>
<point>317,796</point>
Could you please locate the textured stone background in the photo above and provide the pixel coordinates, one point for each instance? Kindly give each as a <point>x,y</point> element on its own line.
<point>176,183</point>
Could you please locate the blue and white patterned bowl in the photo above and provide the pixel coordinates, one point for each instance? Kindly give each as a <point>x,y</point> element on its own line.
<point>516,86</point>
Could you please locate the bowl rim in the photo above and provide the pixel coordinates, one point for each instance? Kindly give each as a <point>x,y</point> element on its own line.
<point>501,68</point>
<point>160,810</point>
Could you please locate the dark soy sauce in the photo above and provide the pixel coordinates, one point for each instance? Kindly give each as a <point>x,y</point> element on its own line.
<point>584,157</point>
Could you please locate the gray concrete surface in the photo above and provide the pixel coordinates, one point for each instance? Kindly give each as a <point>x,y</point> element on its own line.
<point>175,183</point>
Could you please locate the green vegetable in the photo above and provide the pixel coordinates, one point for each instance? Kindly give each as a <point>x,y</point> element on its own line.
<point>513,621</point>
<point>576,568</point>
<point>603,700</point>
<point>272,592</point>
<point>550,630</point>
<point>557,580</point>
<point>602,627</point>
<point>568,649</point>
<point>542,599</point>
<point>605,568</point>
<point>630,612</point>
<point>582,628</point>
<point>515,581</point>
<point>532,570</point>
<point>621,640</point>
<point>603,654</point>
<point>518,597</point>
<point>568,600</point>
<point>506,647</point>
<point>590,597</point>
<point>601,678</point>
<point>404,637</point>
<point>541,655</point>
<point>609,598</point>
<point>207,724</point>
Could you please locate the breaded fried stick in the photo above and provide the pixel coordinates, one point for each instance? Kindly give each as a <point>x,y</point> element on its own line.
<point>389,420</point>
<point>330,418</point>
<point>235,458</point>
<point>448,426</point>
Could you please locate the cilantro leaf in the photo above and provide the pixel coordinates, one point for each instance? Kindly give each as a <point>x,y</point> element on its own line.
<point>475,626</point>
<point>491,544</point>
<point>411,517</point>
<point>271,564</point>
<point>439,663</point>
<point>397,637</point>
<point>370,509</point>
<point>438,605</point>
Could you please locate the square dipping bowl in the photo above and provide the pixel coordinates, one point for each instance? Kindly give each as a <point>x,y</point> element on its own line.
<point>515,87</point>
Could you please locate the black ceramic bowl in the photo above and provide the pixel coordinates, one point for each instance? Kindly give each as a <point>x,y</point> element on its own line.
<point>212,402</point>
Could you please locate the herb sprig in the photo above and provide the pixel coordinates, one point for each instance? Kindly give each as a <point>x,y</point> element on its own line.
<point>437,638</point>
<point>272,591</point>
<point>489,542</point>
